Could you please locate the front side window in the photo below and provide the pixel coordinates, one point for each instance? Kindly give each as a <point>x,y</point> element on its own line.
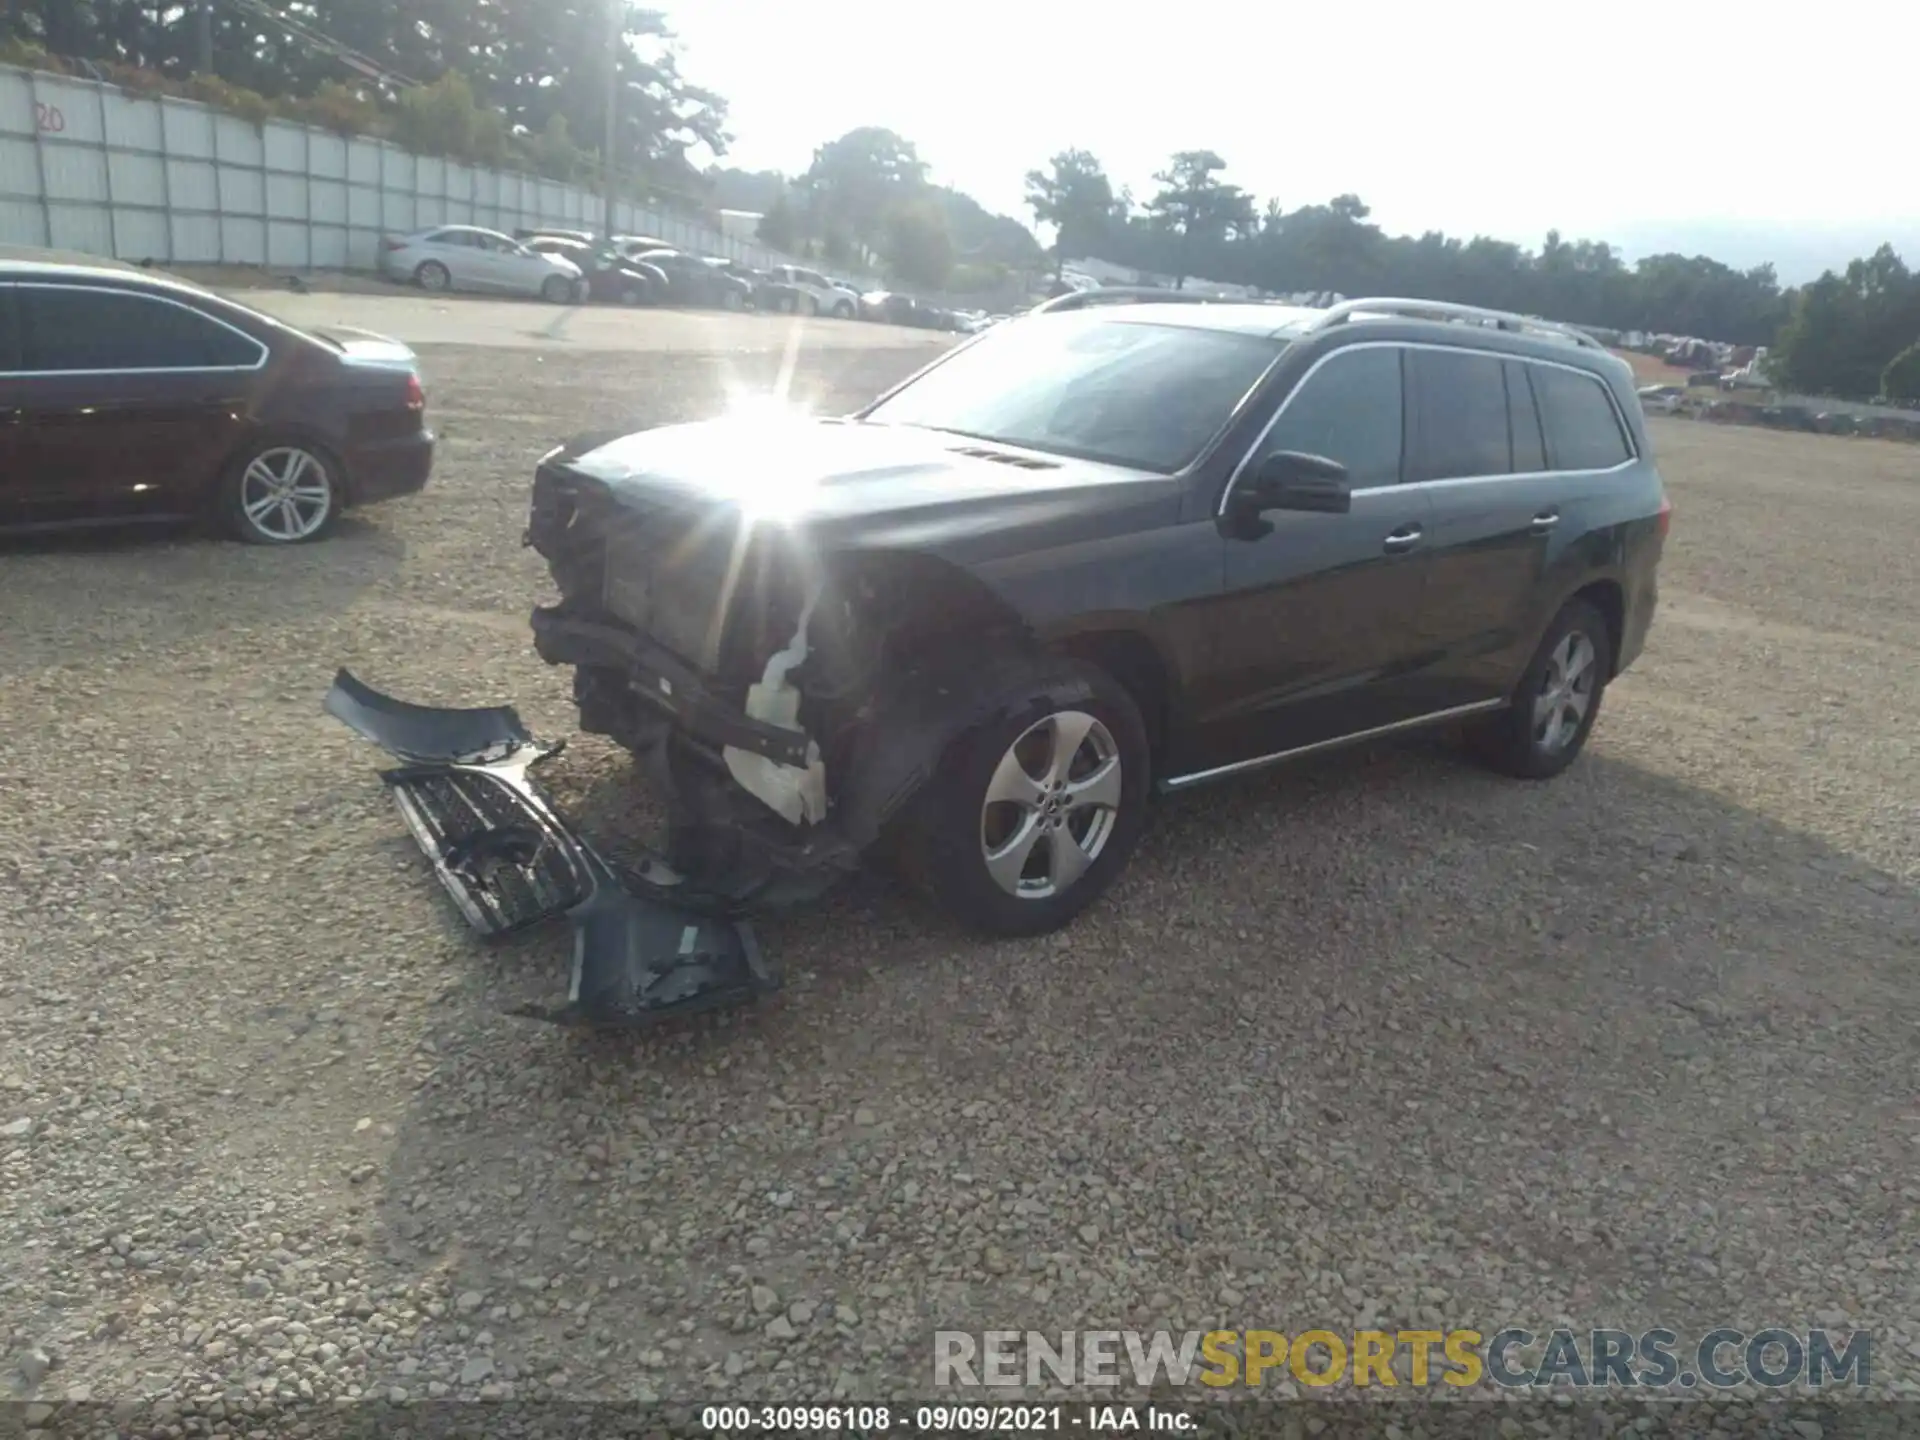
<point>82,329</point>
<point>1347,410</point>
<point>1583,432</point>
<point>453,237</point>
<point>1459,413</point>
<point>1146,396</point>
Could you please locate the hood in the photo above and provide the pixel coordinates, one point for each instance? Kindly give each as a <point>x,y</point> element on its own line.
<point>861,484</point>
<point>364,347</point>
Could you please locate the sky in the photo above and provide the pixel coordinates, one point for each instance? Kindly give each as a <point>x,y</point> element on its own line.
<point>1695,125</point>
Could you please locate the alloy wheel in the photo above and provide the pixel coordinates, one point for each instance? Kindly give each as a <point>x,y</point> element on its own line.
<point>286,494</point>
<point>1566,692</point>
<point>1051,805</point>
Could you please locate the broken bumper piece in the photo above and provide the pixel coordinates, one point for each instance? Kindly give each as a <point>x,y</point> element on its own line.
<point>644,946</point>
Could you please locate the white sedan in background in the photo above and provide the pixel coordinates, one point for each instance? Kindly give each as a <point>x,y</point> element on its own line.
<point>465,257</point>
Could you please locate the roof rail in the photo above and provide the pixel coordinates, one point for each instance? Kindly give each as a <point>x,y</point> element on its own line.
<point>1120,295</point>
<point>1446,310</point>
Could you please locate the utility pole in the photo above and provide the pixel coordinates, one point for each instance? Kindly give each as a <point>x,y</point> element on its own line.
<point>203,37</point>
<point>616,17</point>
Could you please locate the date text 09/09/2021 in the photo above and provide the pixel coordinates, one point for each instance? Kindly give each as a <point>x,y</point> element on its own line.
<point>943,1419</point>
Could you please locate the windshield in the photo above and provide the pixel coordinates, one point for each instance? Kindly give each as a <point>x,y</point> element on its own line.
<point>1127,393</point>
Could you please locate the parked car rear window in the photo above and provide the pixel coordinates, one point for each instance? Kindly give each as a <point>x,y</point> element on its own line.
<point>1142,395</point>
<point>1459,416</point>
<point>1583,431</point>
<point>1347,410</point>
<point>77,328</point>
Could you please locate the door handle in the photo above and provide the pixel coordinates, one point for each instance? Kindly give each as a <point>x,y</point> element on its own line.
<point>1545,521</point>
<point>1405,538</point>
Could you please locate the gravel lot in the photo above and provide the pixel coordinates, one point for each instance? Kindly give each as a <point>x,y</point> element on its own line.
<point>1382,1040</point>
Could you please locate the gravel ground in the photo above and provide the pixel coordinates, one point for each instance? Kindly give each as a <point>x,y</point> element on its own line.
<point>1382,1040</point>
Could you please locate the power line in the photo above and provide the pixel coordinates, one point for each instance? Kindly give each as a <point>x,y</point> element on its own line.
<point>313,39</point>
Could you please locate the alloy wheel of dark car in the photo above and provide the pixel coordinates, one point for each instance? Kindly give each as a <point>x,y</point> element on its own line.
<point>1557,700</point>
<point>282,494</point>
<point>1036,812</point>
<point>432,275</point>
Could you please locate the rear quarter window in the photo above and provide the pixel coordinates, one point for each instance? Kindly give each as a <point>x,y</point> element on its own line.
<point>1582,427</point>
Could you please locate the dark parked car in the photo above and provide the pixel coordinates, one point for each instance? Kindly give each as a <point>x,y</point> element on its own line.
<point>692,280</point>
<point>127,395</point>
<point>1085,556</point>
<point>610,276</point>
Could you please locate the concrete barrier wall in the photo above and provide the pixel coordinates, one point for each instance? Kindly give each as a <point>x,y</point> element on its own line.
<point>86,166</point>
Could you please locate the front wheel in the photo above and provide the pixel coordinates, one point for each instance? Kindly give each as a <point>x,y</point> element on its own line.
<point>556,290</point>
<point>1035,813</point>
<point>1557,700</point>
<point>843,311</point>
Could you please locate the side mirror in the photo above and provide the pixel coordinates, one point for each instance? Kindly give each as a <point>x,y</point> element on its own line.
<point>1290,480</point>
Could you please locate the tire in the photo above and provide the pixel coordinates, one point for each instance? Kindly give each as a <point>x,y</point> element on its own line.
<point>281,491</point>
<point>955,831</point>
<point>813,306</point>
<point>432,275</point>
<point>556,290</point>
<point>633,295</point>
<point>1517,743</point>
<point>732,300</point>
<point>843,311</point>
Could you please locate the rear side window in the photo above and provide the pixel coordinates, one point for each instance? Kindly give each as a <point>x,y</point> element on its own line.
<point>1459,416</point>
<point>1348,410</point>
<point>1523,421</point>
<point>1583,430</point>
<point>80,329</point>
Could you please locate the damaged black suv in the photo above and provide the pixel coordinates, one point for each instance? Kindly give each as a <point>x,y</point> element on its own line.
<point>1093,554</point>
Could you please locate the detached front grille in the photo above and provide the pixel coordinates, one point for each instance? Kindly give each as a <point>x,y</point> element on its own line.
<point>505,863</point>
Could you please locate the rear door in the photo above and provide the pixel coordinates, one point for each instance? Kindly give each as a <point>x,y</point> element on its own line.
<point>1475,445</point>
<point>459,250</point>
<point>130,402</point>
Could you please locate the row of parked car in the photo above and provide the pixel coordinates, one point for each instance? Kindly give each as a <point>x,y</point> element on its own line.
<point>571,266</point>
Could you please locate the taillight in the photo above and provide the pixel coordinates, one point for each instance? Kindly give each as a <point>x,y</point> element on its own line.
<point>391,244</point>
<point>416,393</point>
<point>1666,516</point>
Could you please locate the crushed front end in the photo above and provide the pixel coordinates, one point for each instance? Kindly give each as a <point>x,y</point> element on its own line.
<point>720,660</point>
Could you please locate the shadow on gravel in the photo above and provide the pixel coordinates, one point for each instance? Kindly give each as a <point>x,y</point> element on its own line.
<point>144,588</point>
<point>1381,987</point>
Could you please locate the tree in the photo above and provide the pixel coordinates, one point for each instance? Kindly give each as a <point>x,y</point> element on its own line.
<point>918,249</point>
<point>522,62</point>
<point>1076,198</point>
<point>1191,203</point>
<point>778,228</point>
<point>857,181</point>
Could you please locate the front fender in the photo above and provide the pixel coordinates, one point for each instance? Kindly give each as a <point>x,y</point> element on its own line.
<point>916,719</point>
